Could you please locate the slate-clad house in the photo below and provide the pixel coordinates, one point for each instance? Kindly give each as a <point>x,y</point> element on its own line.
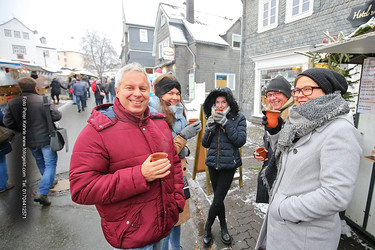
<point>197,47</point>
<point>137,44</point>
<point>273,30</point>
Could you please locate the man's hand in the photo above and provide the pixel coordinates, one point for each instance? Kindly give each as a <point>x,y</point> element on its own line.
<point>155,170</point>
<point>258,157</point>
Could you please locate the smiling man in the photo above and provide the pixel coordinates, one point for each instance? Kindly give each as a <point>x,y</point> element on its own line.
<point>139,201</point>
<point>279,96</point>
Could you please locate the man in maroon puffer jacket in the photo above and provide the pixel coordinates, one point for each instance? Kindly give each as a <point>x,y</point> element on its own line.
<point>138,200</point>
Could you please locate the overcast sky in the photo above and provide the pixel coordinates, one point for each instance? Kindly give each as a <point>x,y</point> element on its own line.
<point>64,22</point>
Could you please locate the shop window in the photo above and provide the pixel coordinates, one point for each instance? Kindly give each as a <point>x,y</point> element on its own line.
<point>298,9</point>
<point>7,33</point>
<point>268,13</point>
<point>17,34</point>
<point>225,80</point>
<point>143,35</point>
<point>236,41</point>
<point>266,75</point>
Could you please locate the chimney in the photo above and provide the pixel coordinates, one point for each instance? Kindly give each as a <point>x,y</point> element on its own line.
<point>190,11</point>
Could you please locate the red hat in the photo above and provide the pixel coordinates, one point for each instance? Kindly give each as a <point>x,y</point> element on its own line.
<point>158,70</point>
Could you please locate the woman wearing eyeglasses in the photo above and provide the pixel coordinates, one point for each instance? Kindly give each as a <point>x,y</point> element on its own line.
<point>317,154</point>
<point>279,96</point>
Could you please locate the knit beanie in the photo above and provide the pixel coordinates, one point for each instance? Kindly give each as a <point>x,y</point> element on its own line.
<point>166,85</point>
<point>280,84</point>
<point>329,80</point>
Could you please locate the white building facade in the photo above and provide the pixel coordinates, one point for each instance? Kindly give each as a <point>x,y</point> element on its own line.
<point>20,44</point>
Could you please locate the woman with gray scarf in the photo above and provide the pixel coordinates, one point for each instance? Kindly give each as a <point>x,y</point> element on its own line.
<point>317,155</point>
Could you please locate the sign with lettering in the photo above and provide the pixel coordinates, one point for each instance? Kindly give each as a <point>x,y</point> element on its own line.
<point>361,14</point>
<point>366,100</point>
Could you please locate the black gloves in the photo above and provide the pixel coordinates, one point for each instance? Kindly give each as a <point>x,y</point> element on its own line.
<point>275,130</point>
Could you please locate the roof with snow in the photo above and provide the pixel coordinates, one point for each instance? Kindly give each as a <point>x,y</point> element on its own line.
<point>206,27</point>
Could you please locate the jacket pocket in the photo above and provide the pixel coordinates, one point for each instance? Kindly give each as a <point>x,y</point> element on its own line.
<point>274,209</point>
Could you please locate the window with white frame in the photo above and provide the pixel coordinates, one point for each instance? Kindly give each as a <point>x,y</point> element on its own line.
<point>17,34</point>
<point>236,41</point>
<point>163,19</point>
<point>225,80</point>
<point>268,13</point>
<point>162,45</point>
<point>25,35</point>
<point>19,49</point>
<point>43,40</point>
<point>297,9</point>
<point>143,35</point>
<point>7,33</point>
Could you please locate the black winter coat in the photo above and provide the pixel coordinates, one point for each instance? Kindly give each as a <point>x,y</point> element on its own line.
<point>262,191</point>
<point>224,142</point>
<point>31,104</point>
<point>55,87</point>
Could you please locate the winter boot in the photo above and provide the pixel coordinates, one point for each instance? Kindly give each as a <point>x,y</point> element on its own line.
<point>207,237</point>
<point>42,199</point>
<point>225,237</point>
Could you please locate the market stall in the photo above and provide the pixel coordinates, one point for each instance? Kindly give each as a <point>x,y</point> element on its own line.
<point>9,73</point>
<point>361,211</point>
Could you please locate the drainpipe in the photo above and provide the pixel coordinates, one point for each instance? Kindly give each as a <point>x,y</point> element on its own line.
<point>241,53</point>
<point>194,61</point>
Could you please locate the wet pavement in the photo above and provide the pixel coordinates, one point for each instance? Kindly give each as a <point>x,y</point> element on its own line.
<point>67,225</point>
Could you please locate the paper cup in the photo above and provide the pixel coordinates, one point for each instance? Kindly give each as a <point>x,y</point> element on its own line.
<point>272,118</point>
<point>158,156</point>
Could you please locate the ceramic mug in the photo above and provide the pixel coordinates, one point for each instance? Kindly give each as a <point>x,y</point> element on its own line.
<point>158,156</point>
<point>272,118</point>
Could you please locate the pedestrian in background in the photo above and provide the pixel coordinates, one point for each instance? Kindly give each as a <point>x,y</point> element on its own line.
<point>138,200</point>
<point>37,133</point>
<point>279,96</point>
<point>55,87</point>
<point>79,91</point>
<point>70,86</point>
<point>5,148</point>
<point>167,100</point>
<point>87,84</point>
<point>111,89</point>
<point>224,135</point>
<point>317,155</point>
<point>99,92</point>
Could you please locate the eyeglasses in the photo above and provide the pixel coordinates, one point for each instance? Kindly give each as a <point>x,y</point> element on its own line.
<point>275,94</point>
<point>306,91</point>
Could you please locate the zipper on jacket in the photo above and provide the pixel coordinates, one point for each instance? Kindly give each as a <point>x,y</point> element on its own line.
<point>218,150</point>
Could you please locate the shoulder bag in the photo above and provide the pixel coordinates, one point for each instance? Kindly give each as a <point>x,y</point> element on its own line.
<point>58,136</point>
<point>6,134</point>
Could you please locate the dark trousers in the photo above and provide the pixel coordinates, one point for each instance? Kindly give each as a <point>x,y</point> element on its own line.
<point>220,181</point>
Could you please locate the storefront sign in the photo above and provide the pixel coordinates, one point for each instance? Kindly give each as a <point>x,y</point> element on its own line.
<point>366,101</point>
<point>361,14</point>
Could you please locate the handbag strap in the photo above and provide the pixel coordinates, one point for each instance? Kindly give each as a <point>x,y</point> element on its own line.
<point>48,113</point>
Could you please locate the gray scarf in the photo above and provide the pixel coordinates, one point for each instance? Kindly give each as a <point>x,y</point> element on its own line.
<point>302,120</point>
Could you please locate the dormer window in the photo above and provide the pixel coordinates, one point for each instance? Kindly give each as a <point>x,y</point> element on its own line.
<point>43,40</point>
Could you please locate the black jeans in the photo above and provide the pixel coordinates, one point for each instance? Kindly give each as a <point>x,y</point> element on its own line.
<point>221,181</point>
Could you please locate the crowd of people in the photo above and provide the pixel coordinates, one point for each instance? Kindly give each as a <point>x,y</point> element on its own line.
<point>307,178</point>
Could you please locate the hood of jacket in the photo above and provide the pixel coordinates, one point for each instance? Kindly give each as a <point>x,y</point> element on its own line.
<point>211,99</point>
<point>106,115</point>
